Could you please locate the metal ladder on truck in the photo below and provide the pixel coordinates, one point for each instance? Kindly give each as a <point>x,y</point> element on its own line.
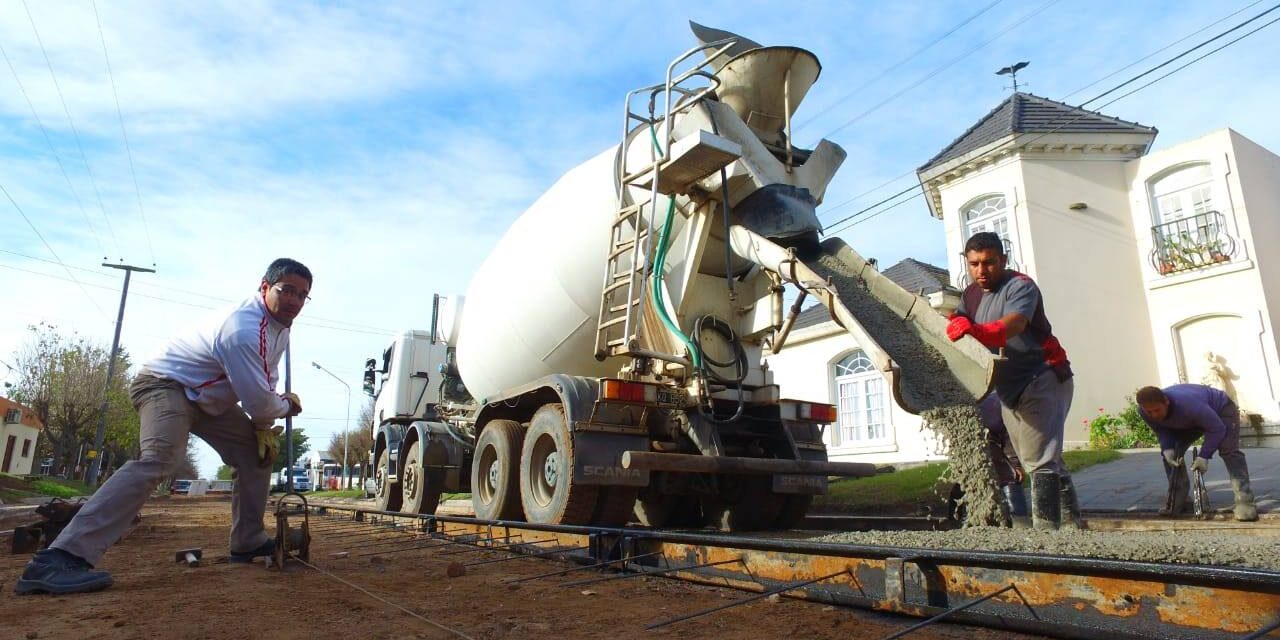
<point>628,263</point>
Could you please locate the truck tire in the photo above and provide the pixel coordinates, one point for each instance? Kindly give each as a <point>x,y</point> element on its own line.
<point>420,486</point>
<point>615,506</point>
<point>547,489</point>
<point>659,510</point>
<point>495,483</point>
<point>388,497</point>
<point>745,503</point>
<point>794,509</point>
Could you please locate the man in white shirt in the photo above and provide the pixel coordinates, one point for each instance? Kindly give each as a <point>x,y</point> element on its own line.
<point>194,386</point>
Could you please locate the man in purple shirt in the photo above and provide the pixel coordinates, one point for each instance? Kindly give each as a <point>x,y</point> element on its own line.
<point>1179,415</point>
<point>1003,309</point>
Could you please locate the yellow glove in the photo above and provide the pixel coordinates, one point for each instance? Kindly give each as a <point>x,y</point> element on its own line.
<point>295,404</point>
<point>268,444</point>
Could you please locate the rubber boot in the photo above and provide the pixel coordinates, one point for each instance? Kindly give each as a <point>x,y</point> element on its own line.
<point>1016,499</point>
<point>1046,498</point>
<point>1070,505</point>
<point>1244,510</point>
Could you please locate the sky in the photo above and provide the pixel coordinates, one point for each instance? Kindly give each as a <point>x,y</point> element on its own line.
<point>389,145</point>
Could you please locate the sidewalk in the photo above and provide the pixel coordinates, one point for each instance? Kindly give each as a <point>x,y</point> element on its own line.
<point>1136,482</point>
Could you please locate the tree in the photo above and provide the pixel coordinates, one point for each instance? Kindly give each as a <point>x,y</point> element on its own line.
<point>300,447</point>
<point>225,471</point>
<point>63,379</point>
<point>361,442</point>
<point>357,445</point>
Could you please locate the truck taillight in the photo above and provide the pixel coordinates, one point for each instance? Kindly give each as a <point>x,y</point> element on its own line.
<point>808,411</point>
<point>624,391</point>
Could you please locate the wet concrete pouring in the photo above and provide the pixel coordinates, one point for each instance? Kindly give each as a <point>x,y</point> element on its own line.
<point>927,383</point>
<point>155,598</point>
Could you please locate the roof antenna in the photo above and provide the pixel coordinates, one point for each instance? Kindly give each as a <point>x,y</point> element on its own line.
<point>1012,71</point>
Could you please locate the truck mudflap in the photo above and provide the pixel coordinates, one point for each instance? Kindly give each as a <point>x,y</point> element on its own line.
<point>597,459</point>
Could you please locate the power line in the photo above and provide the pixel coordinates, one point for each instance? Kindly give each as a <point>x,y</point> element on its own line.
<point>1037,11</point>
<point>1164,48</point>
<point>851,218</point>
<point>369,328</point>
<point>305,323</point>
<point>74,132</point>
<point>56,156</point>
<point>1184,53</point>
<point>125,136</point>
<point>899,63</point>
<point>51,251</point>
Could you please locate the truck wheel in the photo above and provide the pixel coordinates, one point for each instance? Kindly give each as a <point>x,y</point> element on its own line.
<point>389,496</point>
<point>666,510</point>
<point>794,509</point>
<point>495,486</point>
<point>615,506</point>
<point>745,503</point>
<point>546,472</point>
<point>421,486</point>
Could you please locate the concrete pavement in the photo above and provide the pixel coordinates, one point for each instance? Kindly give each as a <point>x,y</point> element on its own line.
<point>1136,482</point>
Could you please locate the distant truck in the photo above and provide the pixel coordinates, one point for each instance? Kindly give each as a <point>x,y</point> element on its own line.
<point>301,481</point>
<point>605,365</point>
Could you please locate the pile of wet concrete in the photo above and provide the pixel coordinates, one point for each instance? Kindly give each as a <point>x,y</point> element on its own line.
<point>928,384</point>
<point>1198,546</point>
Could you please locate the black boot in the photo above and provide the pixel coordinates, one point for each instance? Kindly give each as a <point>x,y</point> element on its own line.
<point>264,550</point>
<point>58,572</point>
<point>1016,498</point>
<point>1070,505</point>
<point>1046,497</point>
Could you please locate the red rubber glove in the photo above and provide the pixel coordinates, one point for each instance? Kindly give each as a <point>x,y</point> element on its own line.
<point>992,335</point>
<point>958,327</point>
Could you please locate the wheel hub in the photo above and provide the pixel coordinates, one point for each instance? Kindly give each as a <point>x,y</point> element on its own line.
<point>551,468</point>
<point>410,478</point>
<point>492,476</point>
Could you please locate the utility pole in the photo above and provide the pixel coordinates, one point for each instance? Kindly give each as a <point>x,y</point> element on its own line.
<point>96,453</point>
<point>346,430</point>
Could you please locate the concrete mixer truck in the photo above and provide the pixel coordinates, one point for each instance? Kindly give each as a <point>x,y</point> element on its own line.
<point>605,365</point>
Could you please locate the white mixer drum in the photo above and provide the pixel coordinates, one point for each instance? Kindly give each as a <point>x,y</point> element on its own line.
<point>531,307</point>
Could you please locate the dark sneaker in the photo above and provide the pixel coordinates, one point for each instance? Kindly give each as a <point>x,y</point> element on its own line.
<point>266,549</point>
<point>58,572</point>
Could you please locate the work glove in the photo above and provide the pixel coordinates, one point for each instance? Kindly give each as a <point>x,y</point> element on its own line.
<point>992,335</point>
<point>1171,458</point>
<point>958,326</point>
<point>268,444</point>
<point>295,404</point>
<point>1200,464</point>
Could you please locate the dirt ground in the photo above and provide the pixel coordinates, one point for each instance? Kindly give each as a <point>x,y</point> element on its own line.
<point>155,598</point>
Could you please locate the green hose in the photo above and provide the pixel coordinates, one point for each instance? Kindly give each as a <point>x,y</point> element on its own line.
<point>658,262</point>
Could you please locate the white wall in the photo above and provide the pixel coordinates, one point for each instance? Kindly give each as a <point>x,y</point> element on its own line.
<point>19,464</point>
<point>1224,308</point>
<point>1090,277</point>
<point>803,370</point>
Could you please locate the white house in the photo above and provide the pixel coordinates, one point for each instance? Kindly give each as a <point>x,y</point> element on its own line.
<point>1156,267</point>
<point>19,429</point>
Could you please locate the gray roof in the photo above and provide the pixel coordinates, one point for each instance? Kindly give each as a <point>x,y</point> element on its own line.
<point>910,274</point>
<point>1027,113</point>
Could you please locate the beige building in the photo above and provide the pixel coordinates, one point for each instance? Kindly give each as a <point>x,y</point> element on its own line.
<point>1156,267</point>
<point>19,429</point>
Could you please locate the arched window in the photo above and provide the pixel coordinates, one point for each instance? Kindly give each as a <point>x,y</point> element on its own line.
<point>1184,192</point>
<point>860,394</point>
<point>990,213</point>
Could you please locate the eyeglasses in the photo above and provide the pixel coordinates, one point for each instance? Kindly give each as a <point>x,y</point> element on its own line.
<point>292,292</point>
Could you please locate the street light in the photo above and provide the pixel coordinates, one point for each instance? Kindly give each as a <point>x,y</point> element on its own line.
<point>346,430</point>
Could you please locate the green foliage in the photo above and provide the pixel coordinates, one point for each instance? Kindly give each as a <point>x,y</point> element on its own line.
<point>341,493</point>
<point>1079,459</point>
<point>225,471</point>
<point>1124,430</point>
<point>300,446</point>
<point>60,488</point>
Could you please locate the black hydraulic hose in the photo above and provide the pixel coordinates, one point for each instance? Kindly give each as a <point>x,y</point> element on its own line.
<point>706,372</point>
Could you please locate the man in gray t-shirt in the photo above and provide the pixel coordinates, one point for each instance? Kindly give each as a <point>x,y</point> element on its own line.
<point>1003,309</point>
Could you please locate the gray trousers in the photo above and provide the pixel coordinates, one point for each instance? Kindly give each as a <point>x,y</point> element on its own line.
<point>1037,423</point>
<point>166,419</point>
